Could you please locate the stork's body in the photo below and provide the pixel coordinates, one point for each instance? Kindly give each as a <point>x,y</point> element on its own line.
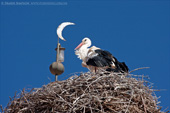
<point>95,58</point>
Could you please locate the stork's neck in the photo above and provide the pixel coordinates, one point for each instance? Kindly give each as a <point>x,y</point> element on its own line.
<point>83,51</point>
<point>84,47</point>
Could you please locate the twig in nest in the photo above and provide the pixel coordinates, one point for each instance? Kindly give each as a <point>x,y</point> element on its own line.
<point>139,69</point>
<point>143,103</point>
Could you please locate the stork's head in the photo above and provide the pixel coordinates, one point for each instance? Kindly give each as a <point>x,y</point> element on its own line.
<point>86,42</point>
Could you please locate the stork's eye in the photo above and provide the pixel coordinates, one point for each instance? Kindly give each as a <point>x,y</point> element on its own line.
<point>85,39</point>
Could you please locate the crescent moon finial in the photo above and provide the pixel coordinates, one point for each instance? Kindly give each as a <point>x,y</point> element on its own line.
<point>61,27</point>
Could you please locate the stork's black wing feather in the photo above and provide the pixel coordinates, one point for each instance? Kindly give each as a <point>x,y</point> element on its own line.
<point>105,58</point>
<point>97,61</point>
<point>105,54</point>
<point>101,60</point>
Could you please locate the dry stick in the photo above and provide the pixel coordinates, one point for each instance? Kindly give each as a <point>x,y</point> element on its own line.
<point>84,111</point>
<point>166,109</point>
<point>1,108</point>
<point>143,103</point>
<point>139,69</point>
<point>71,74</point>
<point>130,99</point>
<point>23,109</point>
<point>99,103</point>
<point>63,99</point>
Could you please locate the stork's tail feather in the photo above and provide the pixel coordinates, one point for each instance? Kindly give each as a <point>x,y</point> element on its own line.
<point>123,67</point>
<point>120,67</point>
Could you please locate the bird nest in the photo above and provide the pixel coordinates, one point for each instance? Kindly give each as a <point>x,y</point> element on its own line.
<point>89,92</point>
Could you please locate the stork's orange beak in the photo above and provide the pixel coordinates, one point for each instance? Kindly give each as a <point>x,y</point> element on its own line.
<point>79,46</point>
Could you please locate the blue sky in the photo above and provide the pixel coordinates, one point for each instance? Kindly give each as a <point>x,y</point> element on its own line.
<point>137,32</point>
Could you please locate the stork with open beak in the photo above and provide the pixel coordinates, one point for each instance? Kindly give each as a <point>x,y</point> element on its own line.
<point>95,58</point>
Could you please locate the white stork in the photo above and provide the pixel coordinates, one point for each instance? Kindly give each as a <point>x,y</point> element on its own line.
<point>95,58</point>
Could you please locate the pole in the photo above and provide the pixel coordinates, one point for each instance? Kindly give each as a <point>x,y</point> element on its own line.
<point>58,46</point>
<point>57,58</point>
<point>56,77</point>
